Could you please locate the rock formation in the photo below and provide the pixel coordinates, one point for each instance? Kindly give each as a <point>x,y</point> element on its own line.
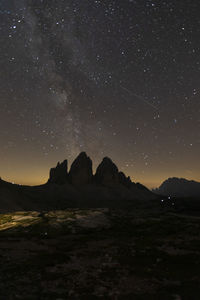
<point>107,173</point>
<point>123,180</point>
<point>81,170</point>
<point>77,188</point>
<point>59,174</point>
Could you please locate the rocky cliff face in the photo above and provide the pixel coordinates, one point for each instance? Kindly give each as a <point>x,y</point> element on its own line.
<point>123,180</point>
<point>59,174</point>
<point>107,173</point>
<point>81,170</point>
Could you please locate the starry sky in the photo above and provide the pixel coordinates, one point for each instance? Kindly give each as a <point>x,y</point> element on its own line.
<point>116,78</point>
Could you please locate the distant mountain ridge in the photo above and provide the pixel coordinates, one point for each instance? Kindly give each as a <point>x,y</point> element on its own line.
<point>76,188</point>
<point>179,187</point>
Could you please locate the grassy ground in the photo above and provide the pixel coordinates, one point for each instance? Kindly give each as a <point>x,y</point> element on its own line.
<point>100,254</point>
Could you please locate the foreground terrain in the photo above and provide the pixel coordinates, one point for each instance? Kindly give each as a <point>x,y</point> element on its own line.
<point>100,254</point>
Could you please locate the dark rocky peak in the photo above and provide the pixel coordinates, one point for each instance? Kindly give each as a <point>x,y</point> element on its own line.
<point>81,170</point>
<point>179,187</point>
<point>59,174</point>
<point>107,173</point>
<point>126,181</point>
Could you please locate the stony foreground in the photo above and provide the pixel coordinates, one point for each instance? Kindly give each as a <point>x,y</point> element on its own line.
<point>99,254</point>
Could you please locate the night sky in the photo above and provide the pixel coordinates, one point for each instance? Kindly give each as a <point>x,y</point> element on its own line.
<point>112,78</point>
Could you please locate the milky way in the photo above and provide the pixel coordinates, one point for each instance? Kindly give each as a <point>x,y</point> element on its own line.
<point>115,78</point>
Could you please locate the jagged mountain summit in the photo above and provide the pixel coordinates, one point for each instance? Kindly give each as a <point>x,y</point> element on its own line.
<point>81,170</point>
<point>107,173</point>
<point>76,188</point>
<point>80,173</point>
<point>179,187</point>
<point>59,174</point>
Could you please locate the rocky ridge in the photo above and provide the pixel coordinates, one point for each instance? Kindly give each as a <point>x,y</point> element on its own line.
<point>76,188</point>
<point>179,187</point>
<point>80,173</point>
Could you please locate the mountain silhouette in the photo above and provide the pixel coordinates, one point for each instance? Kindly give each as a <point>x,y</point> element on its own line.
<point>81,170</point>
<point>76,188</point>
<point>179,187</point>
